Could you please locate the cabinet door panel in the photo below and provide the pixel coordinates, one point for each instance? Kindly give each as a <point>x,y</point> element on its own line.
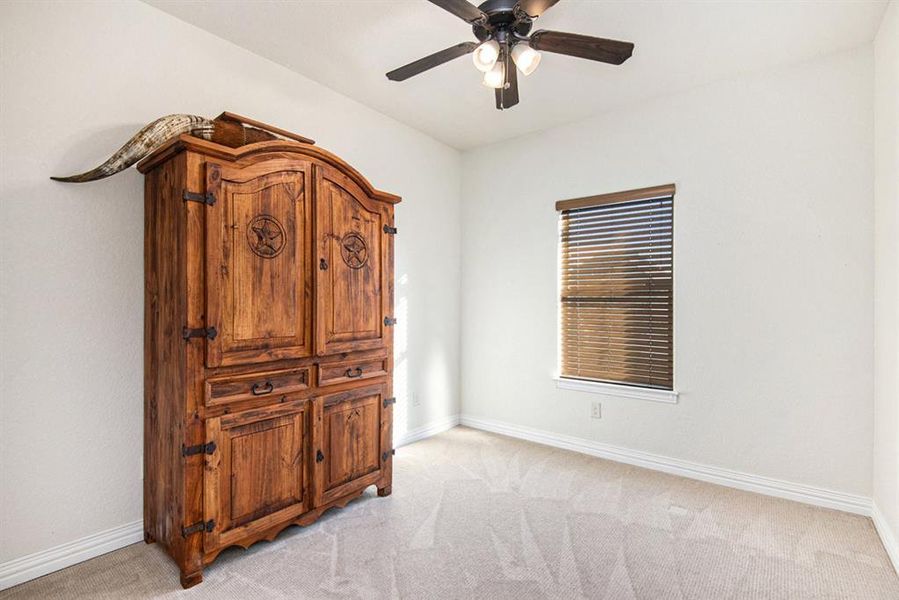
<point>351,442</point>
<point>259,248</point>
<point>258,474</point>
<point>266,473</point>
<point>352,289</point>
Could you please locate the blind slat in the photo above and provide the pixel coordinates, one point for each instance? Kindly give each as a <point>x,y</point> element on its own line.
<point>626,246</point>
<point>616,281</point>
<point>636,233</point>
<point>591,216</point>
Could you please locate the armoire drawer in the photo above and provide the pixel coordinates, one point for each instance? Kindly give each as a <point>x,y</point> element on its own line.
<point>351,370</point>
<point>222,390</point>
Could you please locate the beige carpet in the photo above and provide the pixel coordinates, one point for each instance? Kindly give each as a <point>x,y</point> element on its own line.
<point>475,515</point>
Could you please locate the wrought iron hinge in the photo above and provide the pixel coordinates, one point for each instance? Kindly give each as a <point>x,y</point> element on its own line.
<point>198,449</point>
<point>208,198</point>
<point>387,455</point>
<point>206,332</point>
<point>389,229</point>
<point>389,401</point>
<point>198,527</point>
<point>388,321</point>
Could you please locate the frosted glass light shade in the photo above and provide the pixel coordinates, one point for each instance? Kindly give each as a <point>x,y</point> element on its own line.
<point>525,58</point>
<point>485,55</point>
<point>495,77</point>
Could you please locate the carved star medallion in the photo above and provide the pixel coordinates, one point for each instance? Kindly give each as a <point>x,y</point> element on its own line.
<point>354,250</point>
<point>266,236</point>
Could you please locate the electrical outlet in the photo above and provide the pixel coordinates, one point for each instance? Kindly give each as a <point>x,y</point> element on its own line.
<point>596,410</point>
<point>414,397</point>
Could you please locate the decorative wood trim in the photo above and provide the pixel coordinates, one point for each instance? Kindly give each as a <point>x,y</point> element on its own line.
<point>887,535</point>
<point>617,390</point>
<point>229,116</point>
<point>211,150</point>
<point>768,486</point>
<point>272,532</point>
<point>659,191</point>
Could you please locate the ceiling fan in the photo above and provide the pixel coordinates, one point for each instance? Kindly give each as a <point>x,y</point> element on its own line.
<point>502,28</point>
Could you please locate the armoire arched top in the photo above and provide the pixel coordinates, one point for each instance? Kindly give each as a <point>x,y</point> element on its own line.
<point>187,142</point>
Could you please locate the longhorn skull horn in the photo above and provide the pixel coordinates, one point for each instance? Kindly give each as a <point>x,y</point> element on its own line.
<point>144,142</point>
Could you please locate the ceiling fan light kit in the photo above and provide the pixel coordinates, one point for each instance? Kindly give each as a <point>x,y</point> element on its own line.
<point>503,28</point>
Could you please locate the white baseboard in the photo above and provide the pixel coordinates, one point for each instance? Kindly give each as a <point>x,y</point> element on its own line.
<point>426,431</point>
<point>735,479</point>
<point>41,563</point>
<point>887,536</point>
<point>35,565</point>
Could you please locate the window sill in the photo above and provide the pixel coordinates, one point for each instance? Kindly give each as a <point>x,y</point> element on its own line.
<point>619,391</point>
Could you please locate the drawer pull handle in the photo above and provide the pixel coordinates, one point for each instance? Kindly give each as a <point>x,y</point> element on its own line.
<point>323,264</point>
<point>351,375</point>
<point>261,390</point>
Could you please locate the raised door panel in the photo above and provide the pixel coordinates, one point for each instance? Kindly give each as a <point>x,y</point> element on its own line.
<point>258,262</point>
<point>257,476</point>
<point>352,256</point>
<point>351,453</point>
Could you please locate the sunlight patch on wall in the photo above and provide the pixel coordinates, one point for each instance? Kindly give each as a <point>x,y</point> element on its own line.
<point>400,359</point>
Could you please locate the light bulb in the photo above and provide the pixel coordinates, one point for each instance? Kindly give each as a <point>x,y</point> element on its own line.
<point>525,57</point>
<point>495,77</point>
<point>485,55</point>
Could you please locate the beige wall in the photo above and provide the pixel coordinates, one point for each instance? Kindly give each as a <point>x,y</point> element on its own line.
<point>886,285</point>
<point>77,80</point>
<point>773,273</point>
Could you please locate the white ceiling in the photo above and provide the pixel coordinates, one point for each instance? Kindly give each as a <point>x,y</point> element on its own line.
<point>348,45</point>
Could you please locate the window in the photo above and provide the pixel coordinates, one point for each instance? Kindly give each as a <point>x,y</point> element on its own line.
<point>617,269</point>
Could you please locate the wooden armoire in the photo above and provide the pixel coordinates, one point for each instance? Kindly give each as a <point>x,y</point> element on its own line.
<point>268,342</point>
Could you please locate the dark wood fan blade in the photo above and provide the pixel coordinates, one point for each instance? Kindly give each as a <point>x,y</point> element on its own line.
<point>507,96</point>
<point>429,62</point>
<point>463,9</point>
<point>582,46</point>
<point>535,8</point>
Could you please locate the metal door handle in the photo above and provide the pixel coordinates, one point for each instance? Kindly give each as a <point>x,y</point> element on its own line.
<point>349,373</point>
<point>261,390</point>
